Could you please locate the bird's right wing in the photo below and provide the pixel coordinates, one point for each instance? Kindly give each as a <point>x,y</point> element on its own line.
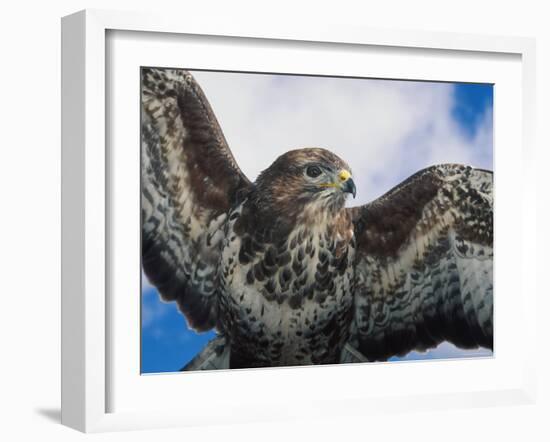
<point>424,264</point>
<point>189,182</point>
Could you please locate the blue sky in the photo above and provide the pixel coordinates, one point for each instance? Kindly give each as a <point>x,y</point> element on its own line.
<point>385,129</point>
<point>471,101</point>
<point>166,342</point>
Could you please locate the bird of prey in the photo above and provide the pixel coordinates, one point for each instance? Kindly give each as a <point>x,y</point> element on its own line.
<point>282,270</point>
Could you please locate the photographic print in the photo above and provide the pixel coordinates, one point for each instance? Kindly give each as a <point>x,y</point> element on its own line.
<point>292,220</point>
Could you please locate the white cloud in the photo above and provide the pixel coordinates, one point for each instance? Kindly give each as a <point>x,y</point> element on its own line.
<point>153,309</point>
<point>386,130</point>
<point>145,283</point>
<point>445,350</point>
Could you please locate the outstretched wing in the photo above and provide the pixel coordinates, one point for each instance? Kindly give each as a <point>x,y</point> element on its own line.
<point>424,264</point>
<point>189,182</point>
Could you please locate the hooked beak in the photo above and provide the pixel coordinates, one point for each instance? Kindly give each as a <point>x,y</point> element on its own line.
<point>349,187</point>
<point>346,182</point>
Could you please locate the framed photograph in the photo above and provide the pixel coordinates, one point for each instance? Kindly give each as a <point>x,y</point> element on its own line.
<point>278,222</point>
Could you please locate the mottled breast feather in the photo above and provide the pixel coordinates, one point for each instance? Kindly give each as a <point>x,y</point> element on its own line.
<point>424,264</point>
<point>189,182</point>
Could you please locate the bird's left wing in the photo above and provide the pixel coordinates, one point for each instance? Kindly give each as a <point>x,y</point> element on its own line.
<point>424,264</point>
<point>190,180</point>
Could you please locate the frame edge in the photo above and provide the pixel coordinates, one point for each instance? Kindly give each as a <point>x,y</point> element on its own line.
<point>73,407</point>
<point>83,333</point>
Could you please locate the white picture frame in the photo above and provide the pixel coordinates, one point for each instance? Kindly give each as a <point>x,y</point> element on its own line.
<point>86,314</point>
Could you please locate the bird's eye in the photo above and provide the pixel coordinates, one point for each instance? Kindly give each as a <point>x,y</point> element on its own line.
<point>313,171</point>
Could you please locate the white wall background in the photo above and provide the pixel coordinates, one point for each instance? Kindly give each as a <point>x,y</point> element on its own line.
<point>30,216</point>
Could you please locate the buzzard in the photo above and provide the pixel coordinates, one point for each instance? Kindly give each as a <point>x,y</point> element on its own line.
<point>282,270</point>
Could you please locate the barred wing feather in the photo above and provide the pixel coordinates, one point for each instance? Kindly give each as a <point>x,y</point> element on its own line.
<point>424,264</point>
<point>189,181</point>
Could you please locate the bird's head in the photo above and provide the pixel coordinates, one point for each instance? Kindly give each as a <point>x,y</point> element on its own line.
<point>307,179</point>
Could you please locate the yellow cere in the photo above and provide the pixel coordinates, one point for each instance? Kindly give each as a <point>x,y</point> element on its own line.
<point>344,175</point>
